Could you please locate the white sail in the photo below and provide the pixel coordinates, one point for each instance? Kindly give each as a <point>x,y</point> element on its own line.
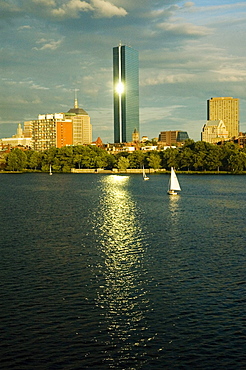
<point>145,177</point>
<point>174,183</point>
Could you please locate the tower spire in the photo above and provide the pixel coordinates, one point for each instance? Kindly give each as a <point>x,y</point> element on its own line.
<point>75,99</point>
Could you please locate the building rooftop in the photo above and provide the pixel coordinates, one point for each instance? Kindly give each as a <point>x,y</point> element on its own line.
<point>78,111</point>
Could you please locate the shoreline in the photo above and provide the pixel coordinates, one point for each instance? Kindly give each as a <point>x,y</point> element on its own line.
<point>128,171</point>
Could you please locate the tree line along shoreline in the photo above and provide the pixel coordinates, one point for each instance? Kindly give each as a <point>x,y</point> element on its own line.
<point>193,157</point>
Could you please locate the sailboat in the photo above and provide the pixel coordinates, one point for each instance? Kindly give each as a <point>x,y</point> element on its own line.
<point>173,185</point>
<point>145,177</point>
<point>50,170</point>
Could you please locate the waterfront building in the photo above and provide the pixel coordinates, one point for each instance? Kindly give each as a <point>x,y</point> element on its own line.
<point>168,138</point>
<point>126,93</point>
<point>241,140</point>
<point>27,132</point>
<point>44,131</point>
<point>19,139</point>
<point>144,139</point>
<point>227,110</point>
<point>82,128</point>
<point>214,132</point>
<point>62,129</point>
<point>64,133</point>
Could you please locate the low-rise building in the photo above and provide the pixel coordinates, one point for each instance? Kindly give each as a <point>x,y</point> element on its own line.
<point>214,131</point>
<point>168,138</point>
<point>17,140</point>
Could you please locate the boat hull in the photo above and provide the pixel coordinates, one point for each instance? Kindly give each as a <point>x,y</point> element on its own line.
<point>172,192</point>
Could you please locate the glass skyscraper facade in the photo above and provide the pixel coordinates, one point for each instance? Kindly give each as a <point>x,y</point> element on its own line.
<point>126,93</point>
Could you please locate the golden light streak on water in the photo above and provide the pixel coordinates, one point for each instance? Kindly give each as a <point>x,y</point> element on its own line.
<point>122,297</point>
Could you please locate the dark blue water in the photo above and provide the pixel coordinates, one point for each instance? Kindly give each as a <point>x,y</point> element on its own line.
<point>109,272</point>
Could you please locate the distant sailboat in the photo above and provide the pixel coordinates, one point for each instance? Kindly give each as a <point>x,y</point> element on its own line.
<point>173,185</point>
<point>145,177</point>
<point>50,170</point>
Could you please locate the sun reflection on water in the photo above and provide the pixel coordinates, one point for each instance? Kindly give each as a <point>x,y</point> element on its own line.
<point>122,296</point>
<point>174,218</point>
<point>173,206</point>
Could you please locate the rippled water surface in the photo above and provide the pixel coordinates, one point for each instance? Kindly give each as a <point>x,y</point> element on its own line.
<point>109,272</point>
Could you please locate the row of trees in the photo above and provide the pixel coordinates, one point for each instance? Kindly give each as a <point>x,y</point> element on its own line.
<point>193,156</point>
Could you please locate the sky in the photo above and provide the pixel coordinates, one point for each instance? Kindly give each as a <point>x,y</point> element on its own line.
<point>189,51</point>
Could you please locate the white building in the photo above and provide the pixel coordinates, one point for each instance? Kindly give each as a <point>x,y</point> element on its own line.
<point>214,131</point>
<point>17,140</point>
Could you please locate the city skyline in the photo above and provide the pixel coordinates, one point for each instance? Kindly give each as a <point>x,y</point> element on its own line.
<point>188,53</point>
<point>126,93</point>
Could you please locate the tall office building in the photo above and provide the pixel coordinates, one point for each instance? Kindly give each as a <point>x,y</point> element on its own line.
<point>82,128</point>
<point>126,93</point>
<point>227,110</point>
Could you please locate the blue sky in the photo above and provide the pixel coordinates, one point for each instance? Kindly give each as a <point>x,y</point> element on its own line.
<point>189,51</point>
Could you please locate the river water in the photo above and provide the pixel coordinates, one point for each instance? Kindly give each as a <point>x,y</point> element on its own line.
<point>109,272</point>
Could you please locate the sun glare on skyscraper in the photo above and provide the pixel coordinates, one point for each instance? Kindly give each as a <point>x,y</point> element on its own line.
<point>120,88</point>
<point>126,93</point>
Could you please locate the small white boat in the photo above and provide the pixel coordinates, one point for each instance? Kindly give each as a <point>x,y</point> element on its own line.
<point>173,185</point>
<point>145,177</point>
<point>50,170</point>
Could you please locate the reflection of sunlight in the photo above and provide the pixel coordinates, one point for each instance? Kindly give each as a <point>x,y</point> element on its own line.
<point>173,205</point>
<point>174,212</point>
<point>122,296</point>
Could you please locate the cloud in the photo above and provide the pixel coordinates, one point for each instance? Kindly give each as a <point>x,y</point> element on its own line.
<point>72,9</point>
<point>223,7</point>
<point>228,74</point>
<point>100,9</point>
<point>38,87</point>
<point>165,78</point>
<point>24,28</point>
<point>60,9</point>
<point>187,29</point>
<point>106,9</point>
<point>167,12</point>
<point>189,4</point>
<point>9,10</point>
<point>48,44</point>
<point>44,2</point>
<point>30,84</point>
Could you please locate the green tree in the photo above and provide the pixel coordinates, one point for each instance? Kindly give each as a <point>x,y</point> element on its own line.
<point>228,149</point>
<point>56,166</point>
<point>136,159</point>
<point>171,158</point>
<point>123,163</point>
<point>77,160</point>
<point>35,160</point>
<point>65,156</point>
<point>154,161</point>
<point>213,158</point>
<point>49,155</point>
<point>12,161</point>
<point>100,161</point>
<point>111,161</point>
<point>186,158</point>
<point>16,160</point>
<point>237,161</point>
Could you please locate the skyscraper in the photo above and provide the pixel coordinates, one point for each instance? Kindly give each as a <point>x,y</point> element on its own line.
<point>227,110</point>
<point>126,93</point>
